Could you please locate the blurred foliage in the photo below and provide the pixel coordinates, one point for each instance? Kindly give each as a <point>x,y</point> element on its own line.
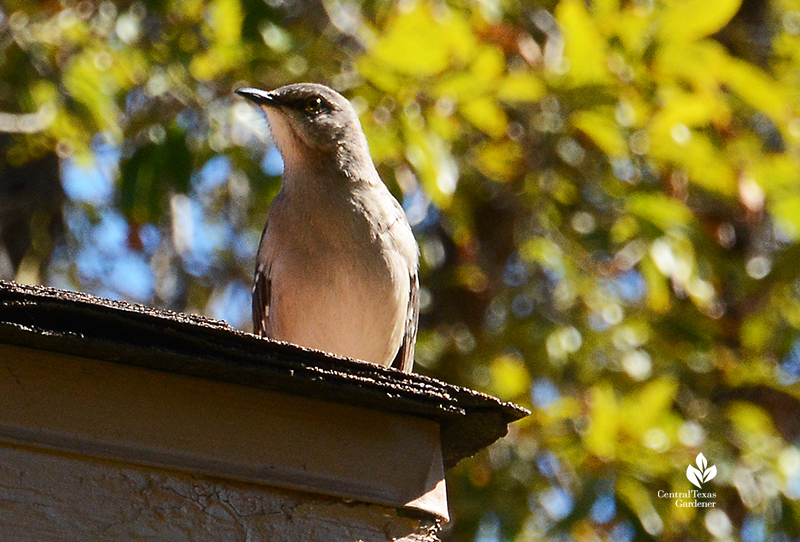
<point>606,195</point>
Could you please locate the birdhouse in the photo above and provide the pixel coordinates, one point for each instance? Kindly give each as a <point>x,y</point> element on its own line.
<point>122,422</point>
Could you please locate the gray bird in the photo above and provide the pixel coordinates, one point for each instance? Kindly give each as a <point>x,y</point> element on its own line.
<point>337,264</point>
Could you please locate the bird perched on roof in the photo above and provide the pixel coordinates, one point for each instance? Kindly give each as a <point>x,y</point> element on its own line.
<point>337,264</point>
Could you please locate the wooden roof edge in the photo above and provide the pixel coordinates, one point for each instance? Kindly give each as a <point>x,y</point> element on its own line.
<point>81,324</point>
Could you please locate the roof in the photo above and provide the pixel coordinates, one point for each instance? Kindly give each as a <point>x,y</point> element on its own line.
<point>120,332</point>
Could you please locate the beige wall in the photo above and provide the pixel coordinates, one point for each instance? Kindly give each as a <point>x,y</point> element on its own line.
<point>49,496</point>
<point>199,426</point>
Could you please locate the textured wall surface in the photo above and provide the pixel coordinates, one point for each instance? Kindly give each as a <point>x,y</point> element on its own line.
<point>48,496</point>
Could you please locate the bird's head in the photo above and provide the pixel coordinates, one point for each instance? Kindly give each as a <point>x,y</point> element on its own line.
<point>312,126</point>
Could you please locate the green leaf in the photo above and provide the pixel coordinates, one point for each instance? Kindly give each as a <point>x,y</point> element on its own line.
<point>151,174</point>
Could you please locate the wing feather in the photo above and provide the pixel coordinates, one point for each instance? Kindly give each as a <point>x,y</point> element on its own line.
<point>262,288</point>
<point>261,299</point>
<point>404,360</point>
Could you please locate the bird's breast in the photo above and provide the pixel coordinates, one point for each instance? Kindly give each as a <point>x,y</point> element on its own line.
<point>335,285</point>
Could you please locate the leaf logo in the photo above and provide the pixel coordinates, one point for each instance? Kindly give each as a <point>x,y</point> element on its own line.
<point>699,475</point>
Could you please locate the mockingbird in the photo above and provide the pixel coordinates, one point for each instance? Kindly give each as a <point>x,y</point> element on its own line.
<point>337,264</point>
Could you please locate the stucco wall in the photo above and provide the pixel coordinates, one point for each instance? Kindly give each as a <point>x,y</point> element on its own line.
<point>50,496</point>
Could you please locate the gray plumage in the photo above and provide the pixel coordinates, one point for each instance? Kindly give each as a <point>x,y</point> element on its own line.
<point>337,264</point>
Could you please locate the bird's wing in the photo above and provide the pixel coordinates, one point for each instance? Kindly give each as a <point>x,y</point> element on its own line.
<point>262,285</point>
<point>404,360</point>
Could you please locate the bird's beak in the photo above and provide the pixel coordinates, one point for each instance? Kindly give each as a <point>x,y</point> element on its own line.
<point>259,97</point>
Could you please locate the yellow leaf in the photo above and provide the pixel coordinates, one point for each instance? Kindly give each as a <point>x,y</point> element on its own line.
<point>660,210</point>
<point>483,76</point>
<point>216,60</point>
<point>584,46</point>
<point>489,64</point>
<point>499,160</point>
<point>602,130</point>
<point>485,114</point>
<point>191,10</point>
<point>445,126</point>
<point>225,18</point>
<point>44,92</point>
<point>648,406</point>
<point>94,89</point>
<point>690,109</point>
<point>755,332</point>
<point>374,72</point>
<point>472,277</point>
<point>432,162</point>
<point>624,229</point>
<point>658,291</point>
<point>751,421</point>
<point>673,141</point>
<point>421,43</point>
<point>520,86</point>
<point>384,145</point>
<point>671,63</point>
<point>605,8</point>
<point>757,88</point>
<point>633,28</point>
<point>510,377</point>
<point>460,86</point>
<point>705,165</point>
<point>638,498</point>
<point>545,252</point>
<point>777,173</point>
<point>689,20</point>
<point>786,211</point>
<point>601,439</point>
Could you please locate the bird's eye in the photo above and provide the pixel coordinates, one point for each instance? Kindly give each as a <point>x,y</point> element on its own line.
<point>313,106</point>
